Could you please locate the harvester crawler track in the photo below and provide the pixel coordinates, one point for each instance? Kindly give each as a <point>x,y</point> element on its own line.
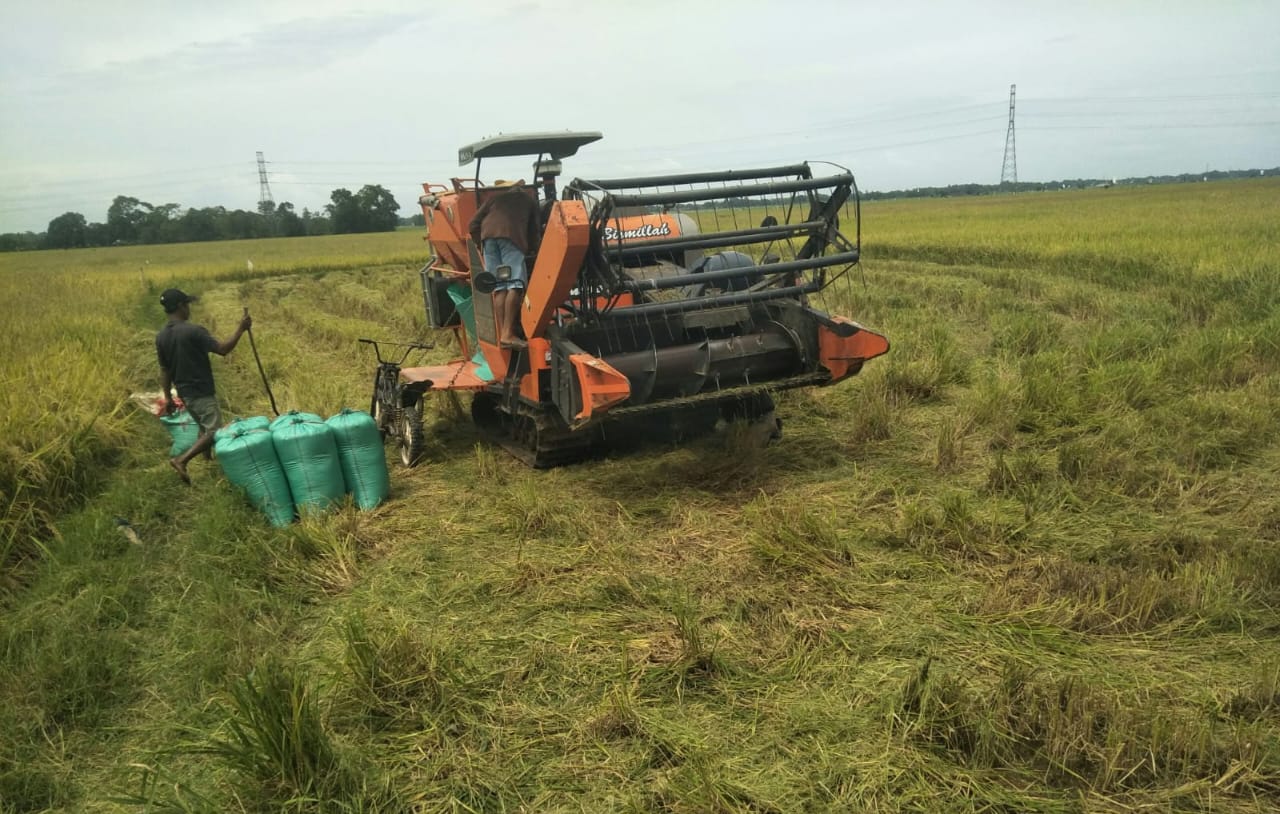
<point>535,437</point>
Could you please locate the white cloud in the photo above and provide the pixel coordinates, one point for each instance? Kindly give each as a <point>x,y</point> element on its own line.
<point>169,101</point>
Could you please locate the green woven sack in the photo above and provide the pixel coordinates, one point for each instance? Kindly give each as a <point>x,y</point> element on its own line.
<point>309,457</point>
<point>183,432</point>
<point>249,460</point>
<point>282,420</point>
<point>258,422</point>
<point>361,456</point>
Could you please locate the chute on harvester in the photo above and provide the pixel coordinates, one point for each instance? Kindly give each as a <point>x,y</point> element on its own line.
<point>653,302</point>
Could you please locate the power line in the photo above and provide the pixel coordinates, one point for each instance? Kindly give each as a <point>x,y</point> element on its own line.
<point>415,161</point>
<point>1183,126</point>
<point>843,136</point>
<point>1030,104</point>
<point>1112,114</point>
<point>1131,99</point>
<point>240,165</point>
<point>329,184</point>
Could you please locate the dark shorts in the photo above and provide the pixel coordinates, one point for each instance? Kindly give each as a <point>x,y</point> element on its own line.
<point>206,413</point>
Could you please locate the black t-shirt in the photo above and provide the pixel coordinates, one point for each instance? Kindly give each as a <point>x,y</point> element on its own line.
<point>183,350</point>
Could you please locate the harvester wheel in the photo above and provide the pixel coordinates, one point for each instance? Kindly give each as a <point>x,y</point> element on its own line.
<point>410,440</point>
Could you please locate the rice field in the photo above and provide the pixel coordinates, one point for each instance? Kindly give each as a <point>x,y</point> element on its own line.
<point>1027,562</point>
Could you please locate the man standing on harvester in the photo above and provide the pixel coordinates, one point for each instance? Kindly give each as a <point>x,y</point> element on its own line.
<point>183,349</point>
<point>506,227</point>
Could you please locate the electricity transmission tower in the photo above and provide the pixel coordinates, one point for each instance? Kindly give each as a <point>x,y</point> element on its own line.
<point>265,203</point>
<point>1009,172</point>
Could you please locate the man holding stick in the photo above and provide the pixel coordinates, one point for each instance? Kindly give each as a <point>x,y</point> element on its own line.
<point>183,349</point>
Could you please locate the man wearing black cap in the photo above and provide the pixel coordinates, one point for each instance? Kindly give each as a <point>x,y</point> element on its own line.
<point>183,350</point>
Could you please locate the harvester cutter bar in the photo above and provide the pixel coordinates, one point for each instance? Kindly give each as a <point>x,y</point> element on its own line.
<point>805,380</point>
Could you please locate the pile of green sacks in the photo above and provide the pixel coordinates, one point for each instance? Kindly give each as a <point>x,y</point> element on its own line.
<point>301,462</point>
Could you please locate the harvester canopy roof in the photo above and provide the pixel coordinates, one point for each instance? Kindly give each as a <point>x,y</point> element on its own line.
<point>557,145</point>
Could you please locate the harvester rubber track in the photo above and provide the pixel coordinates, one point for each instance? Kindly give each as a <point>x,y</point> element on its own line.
<point>533,438</point>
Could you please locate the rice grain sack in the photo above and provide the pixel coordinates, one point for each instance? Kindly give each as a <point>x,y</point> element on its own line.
<point>361,456</point>
<point>249,460</point>
<point>183,432</point>
<point>258,422</point>
<point>309,456</point>
<point>284,419</point>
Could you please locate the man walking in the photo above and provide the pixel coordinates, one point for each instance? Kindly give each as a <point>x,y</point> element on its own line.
<point>183,350</point>
<point>506,227</point>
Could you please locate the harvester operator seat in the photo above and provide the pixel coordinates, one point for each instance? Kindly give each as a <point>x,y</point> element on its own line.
<point>719,262</point>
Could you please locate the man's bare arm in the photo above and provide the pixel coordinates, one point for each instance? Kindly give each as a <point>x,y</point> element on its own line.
<point>473,228</point>
<point>166,387</point>
<point>535,230</point>
<point>227,345</point>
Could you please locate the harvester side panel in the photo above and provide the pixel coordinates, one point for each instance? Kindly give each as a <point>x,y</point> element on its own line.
<point>564,245</point>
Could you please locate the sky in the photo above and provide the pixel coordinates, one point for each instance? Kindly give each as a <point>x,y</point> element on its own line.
<point>169,102</point>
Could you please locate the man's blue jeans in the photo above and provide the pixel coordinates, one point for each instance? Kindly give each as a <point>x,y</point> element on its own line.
<point>498,251</point>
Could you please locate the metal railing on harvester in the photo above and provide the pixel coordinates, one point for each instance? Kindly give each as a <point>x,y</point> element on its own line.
<point>775,233</point>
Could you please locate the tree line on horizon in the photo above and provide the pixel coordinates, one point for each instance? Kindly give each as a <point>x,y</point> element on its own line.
<point>958,190</point>
<point>963,190</point>
<point>132,221</point>
<point>373,209</point>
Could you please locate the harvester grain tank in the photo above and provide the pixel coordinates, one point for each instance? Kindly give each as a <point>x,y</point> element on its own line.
<point>652,301</point>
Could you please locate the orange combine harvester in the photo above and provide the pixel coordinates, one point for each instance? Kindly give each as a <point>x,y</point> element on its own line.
<point>653,304</point>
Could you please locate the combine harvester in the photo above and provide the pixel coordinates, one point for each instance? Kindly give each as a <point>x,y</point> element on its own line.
<point>654,304</point>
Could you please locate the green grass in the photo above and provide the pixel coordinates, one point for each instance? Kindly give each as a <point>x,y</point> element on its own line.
<point>1028,561</point>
